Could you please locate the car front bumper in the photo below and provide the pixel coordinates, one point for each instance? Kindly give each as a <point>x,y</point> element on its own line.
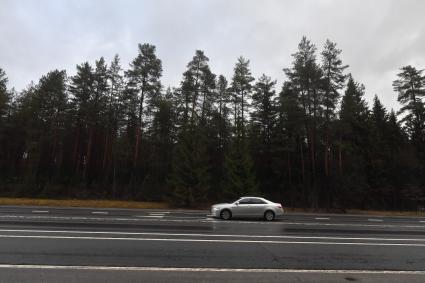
<point>215,212</point>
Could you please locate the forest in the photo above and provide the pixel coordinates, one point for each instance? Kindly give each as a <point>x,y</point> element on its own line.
<point>114,132</point>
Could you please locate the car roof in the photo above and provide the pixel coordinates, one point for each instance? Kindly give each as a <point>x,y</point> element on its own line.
<point>250,197</point>
<point>253,197</point>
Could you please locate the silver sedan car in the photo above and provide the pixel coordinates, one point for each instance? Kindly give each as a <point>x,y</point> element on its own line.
<point>248,207</point>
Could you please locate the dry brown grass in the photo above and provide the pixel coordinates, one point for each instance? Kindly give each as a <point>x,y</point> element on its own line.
<point>83,203</point>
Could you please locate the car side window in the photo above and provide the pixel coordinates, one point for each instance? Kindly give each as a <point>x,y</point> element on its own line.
<point>257,201</point>
<point>245,201</point>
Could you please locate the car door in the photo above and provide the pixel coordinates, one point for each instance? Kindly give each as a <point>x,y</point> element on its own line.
<point>258,207</point>
<point>242,208</point>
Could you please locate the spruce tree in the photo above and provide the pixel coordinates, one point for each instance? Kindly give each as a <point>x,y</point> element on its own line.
<point>239,177</point>
<point>263,120</point>
<point>4,95</point>
<point>354,132</point>
<point>190,177</point>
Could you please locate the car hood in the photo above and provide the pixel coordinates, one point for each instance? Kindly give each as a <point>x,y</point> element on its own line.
<point>221,204</point>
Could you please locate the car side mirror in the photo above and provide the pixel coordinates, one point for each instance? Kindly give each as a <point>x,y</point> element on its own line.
<point>236,203</point>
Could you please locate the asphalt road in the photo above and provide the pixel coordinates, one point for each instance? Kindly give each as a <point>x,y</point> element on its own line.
<point>46,244</point>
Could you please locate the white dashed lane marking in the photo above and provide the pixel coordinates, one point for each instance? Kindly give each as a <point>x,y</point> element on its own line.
<point>100,212</point>
<point>149,216</point>
<point>40,211</point>
<point>375,220</point>
<point>322,218</point>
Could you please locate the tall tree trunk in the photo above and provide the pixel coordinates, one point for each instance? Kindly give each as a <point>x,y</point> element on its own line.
<point>89,154</point>
<point>138,132</point>
<point>243,121</point>
<point>76,152</point>
<point>327,153</point>
<point>105,151</point>
<point>340,156</point>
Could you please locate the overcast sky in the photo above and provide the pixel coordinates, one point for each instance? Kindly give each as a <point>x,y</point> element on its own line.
<point>376,37</point>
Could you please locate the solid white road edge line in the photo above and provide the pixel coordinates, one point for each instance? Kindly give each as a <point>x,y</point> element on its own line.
<point>209,221</point>
<point>211,235</point>
<point>201,269</point>
<point>211,241</point>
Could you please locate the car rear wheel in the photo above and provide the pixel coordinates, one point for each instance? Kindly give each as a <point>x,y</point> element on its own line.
<point>225,214</point>
<point>269,215</point>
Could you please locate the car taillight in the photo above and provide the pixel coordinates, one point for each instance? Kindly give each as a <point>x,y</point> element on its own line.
<point>279,205</point>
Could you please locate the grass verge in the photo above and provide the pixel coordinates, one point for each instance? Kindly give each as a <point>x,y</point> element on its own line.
<point>83,203</point>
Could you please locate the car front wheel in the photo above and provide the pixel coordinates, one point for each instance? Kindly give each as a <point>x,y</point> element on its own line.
<point>225,214</point>
<point>269,215</point>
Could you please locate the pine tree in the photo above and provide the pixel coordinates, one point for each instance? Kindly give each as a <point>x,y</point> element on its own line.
<point>198,87</point>
<point>306,79</point>
<point>219,135</point>
<point>6,139</point>
<point>410,87</point>
<point>223,100</point>
<point>98,110</point>
<point>333,82</point>
<point>288,145</point>
<point>144,83</point>
<point>82,90</point>
<point>116,110</point>
<point>47,103</point>
<point>161,140</point>
<point>241,89</point>
<point>333,78</point>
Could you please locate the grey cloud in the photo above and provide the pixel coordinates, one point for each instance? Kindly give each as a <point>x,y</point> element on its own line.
<point>377,37</point>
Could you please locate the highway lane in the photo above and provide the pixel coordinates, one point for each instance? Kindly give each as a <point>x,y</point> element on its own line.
<point>100,274</point>
<point>39,241</point>
<point>195,214</point>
